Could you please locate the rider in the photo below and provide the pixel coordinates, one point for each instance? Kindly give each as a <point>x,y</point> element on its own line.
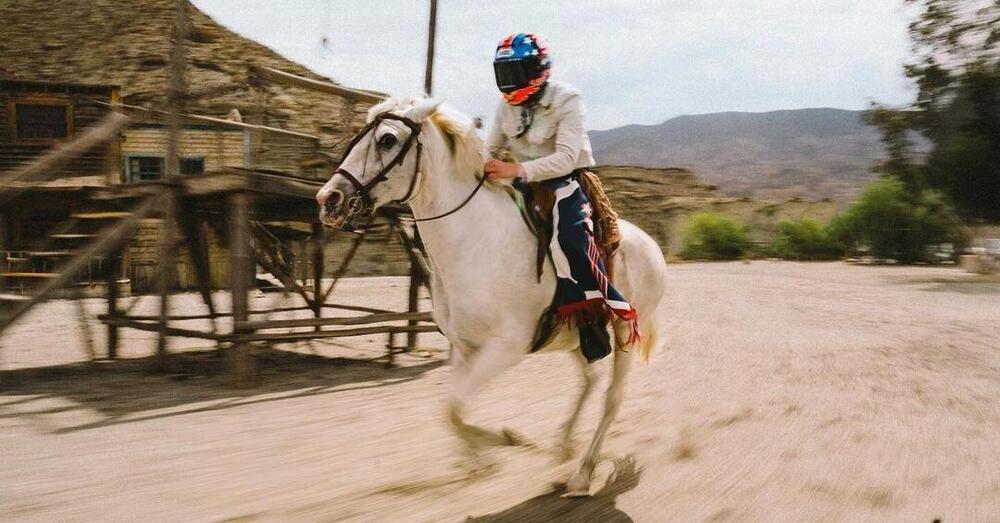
<point>540,122</point>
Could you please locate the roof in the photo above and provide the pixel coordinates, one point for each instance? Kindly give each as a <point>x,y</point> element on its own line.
<point>11,80</point>
<point>212,121</point>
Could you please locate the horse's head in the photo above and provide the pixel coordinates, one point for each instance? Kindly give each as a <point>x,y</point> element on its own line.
<point>381,164</point>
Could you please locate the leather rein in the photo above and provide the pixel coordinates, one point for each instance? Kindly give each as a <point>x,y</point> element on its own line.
<point>361,203</point>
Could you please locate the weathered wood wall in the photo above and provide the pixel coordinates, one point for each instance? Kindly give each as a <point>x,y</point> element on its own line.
<point>283,152</point>
<point>84,113</point>
<point>220,147</point>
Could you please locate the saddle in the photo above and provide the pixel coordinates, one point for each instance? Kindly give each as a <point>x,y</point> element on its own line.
<point>536,209</point>
<point>537,212</point>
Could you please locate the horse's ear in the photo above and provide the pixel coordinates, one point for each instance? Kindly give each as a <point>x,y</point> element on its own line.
<point>422,109</point>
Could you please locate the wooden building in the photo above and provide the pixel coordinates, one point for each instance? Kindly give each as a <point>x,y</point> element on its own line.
<point>38,116</point>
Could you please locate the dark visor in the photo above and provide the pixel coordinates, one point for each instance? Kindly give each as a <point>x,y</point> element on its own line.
<point>514,74</point>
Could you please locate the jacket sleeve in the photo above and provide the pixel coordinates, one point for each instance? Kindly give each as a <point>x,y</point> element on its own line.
<point>496,140</point>
<point>570,136</point>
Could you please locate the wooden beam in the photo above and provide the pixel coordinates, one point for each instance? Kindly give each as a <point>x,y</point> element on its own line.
<point>111,280</point>
<point>242,366</point>
<point>345,333</point>
<point>431,37</point>
<point>318,246</point>
<point>286,78</point>
<point>319,322</point>
<point>155,327</point>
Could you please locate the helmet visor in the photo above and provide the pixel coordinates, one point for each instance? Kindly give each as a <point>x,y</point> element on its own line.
<point>512,75</point>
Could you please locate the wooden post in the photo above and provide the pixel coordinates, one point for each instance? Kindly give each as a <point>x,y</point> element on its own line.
<point>167,261</point>
<point>431,30</point>
<point>413,303</point>
<point>242,367</point>
<point>317,261</point>
<point>111,279</point>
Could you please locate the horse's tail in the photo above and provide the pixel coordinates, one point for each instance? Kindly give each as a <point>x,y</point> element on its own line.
<point>650,339</point>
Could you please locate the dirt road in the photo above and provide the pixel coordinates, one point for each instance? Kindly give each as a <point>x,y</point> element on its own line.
<point>789,392</point>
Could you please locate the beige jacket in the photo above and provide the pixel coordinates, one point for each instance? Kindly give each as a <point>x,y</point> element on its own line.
<point>556,142</point>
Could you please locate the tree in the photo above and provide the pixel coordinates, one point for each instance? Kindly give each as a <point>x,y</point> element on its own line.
<point>894,224</point>
<point>956,68</point>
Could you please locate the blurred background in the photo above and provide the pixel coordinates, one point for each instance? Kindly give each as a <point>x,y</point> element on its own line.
<point>180,338</point>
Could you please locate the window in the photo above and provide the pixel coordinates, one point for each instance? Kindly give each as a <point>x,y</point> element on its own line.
<point>42,121</point>
<point>144,168</point>
<point>150,168</point>
<point>192,166</point>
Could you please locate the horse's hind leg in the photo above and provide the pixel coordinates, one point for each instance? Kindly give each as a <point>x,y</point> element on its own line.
<point>579,484</point>
<point>588,378</point>
<point>487,363</point>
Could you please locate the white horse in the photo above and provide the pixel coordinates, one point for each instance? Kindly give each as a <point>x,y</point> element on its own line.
<point>486,297</point>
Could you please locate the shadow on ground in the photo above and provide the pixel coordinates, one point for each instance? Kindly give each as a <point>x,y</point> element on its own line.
<point>125,391</point>
<point>552,507</point>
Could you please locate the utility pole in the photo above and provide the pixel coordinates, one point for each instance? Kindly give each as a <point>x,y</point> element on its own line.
<point>429,73</point>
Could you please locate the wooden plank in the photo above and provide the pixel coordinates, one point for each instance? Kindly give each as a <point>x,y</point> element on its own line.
<point>71,236</point>
<point>318,322</point>
<point>282,77</point>
<point>29,275</point>
<point>345,333</point>
<point>155,327</point>
<point>107,215</point>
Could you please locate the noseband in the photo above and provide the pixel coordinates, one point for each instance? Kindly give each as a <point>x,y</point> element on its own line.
<point>361,203</point>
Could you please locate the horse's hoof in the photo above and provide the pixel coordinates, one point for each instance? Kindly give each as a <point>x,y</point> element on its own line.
<point>576,494</point>
<point>514,439</point>
<point>577,487</point>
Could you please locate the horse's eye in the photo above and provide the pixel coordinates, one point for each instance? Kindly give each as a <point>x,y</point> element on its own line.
<point>387,141</point>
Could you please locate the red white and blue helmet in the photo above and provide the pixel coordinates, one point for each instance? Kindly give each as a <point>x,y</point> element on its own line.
<point>521,65</point>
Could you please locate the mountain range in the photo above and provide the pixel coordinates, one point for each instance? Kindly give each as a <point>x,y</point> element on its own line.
<point>810,153</point>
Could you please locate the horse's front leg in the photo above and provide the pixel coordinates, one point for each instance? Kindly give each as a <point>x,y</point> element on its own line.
<point>588,378</point>
<point>579,484</point>
<point>488,362</point>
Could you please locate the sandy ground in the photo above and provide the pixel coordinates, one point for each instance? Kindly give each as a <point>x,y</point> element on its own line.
<point>789,392</point>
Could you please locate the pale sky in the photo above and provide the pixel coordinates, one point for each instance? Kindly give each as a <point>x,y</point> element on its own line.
<point>636,61</point>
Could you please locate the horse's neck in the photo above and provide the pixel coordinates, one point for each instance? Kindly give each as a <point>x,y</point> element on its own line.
<point>482,235</point>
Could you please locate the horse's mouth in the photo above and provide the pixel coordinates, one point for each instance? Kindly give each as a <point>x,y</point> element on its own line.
<point>344,217</point>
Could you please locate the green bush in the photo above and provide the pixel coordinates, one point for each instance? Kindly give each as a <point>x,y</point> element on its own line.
<point>805,240</point>
<point>894,224</point>
<point>712,236</point>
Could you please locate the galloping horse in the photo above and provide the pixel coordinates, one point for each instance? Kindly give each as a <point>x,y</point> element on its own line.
<point>487,298</point>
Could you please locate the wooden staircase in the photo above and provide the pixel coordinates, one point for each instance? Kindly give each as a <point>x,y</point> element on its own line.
<point>81,251</point>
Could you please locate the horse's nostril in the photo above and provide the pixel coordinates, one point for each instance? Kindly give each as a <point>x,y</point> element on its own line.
<point>334,200</point>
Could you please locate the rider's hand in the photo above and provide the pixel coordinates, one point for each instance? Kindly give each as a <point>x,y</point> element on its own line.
<point>495,169</point>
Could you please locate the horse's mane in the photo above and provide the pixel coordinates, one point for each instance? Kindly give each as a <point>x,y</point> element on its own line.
<point>457,128</point>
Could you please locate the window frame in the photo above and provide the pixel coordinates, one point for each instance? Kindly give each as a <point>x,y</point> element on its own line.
<point>34,100</point>
<point>127,171</point>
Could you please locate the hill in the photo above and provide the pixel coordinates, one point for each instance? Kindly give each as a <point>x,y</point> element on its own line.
<point>127,43</point>
<point>813,153</point>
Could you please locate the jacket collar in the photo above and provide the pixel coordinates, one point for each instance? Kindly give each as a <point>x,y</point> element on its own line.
<point>548,96</point>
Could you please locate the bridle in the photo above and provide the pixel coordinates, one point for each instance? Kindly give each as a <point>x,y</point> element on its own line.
<point>361,202</point>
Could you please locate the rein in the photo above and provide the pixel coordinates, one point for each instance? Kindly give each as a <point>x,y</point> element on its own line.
<point>362,203</point>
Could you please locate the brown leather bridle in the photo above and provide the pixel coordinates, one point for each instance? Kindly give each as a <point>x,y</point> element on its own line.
<point>361,204</point>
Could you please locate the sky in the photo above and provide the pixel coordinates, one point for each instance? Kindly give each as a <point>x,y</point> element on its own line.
<point>636,61</point>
